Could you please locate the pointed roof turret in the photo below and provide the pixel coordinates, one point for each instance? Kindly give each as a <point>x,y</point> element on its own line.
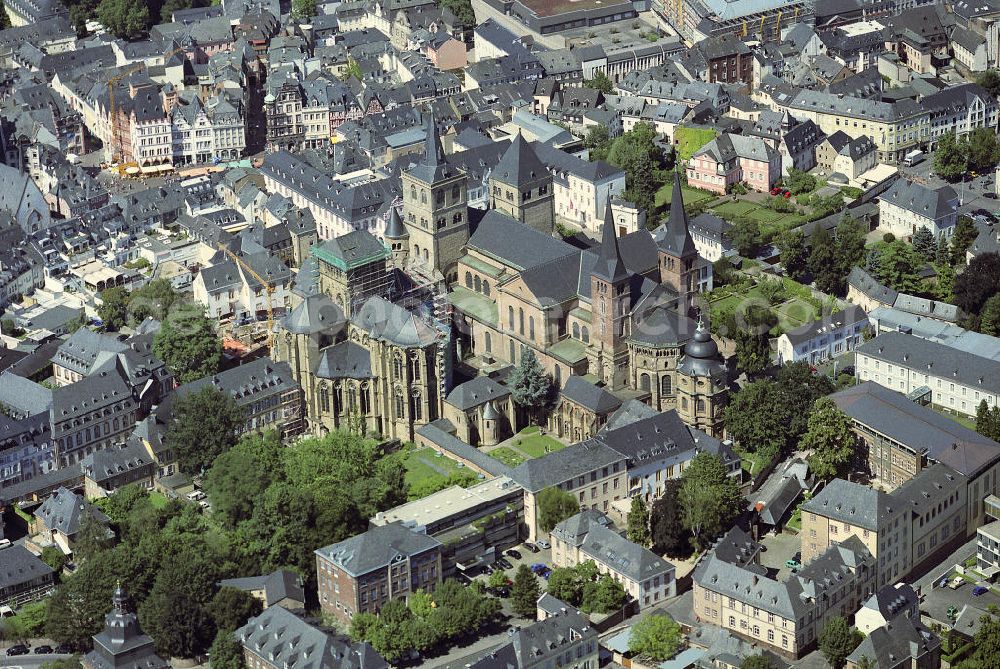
<point>519,164</point>
<point>674,237</point>
<point>433,167</point>
<point>395,229</point>
<point>609,265</point>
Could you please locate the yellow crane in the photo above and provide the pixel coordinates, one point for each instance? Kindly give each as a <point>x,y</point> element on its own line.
<point>268,290</point>
<point>762,19</point>
<point>116,126</point>
<point>777,27</point>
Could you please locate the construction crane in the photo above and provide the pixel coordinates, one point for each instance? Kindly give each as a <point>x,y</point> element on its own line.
<point>116,129</point>
<point>777,27</point>
<point>268,290</point>
<point>762,36</point>
<point>744,27</point>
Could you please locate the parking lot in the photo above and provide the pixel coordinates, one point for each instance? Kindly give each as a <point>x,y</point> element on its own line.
<point>779,549</point>
<point>543,556</point>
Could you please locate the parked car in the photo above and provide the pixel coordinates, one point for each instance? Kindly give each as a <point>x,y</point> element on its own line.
<point>510,552</point>
<point>64,649</point>
<point>990,195</point>
<point>979,590</point>
<point>19,649</point>
<point>543,544</point>
<point>792,564</point>
<point>539,567</point>
<point>531,547</point>
<point>545,574</point>
<point>788,194</point>
<point>956,583</point>
<point>504,564</point>
<point>43,650</point>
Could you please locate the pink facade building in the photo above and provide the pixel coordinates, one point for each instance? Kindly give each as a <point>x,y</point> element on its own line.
<point>731,159</point>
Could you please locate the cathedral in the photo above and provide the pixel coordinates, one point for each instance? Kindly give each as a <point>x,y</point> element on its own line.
<point>377,330</point>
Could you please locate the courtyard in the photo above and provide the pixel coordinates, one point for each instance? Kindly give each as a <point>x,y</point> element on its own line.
<point>797,307</point>
<point>527,444</point>
<point>427,470</point>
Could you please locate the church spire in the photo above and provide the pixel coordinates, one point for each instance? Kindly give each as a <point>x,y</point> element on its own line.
<point>433,153</point>
<point>675,238</point>
<point>609,265</point>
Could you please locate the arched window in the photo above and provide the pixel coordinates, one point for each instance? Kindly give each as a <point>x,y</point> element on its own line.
<point>427,255</point>
<point>468,280</point>
<point>558,374</point>
<point>423,196</point>
<point>666,387</point>
<point>416,407</point>
<point>352,398</point>
<point>699,406</point>
<point>416,251</point>
<point>415,369</point>
<point>486,288</point>
<point>324,399</point>
<point>413,192</point>
<point>487,340</point>
<point>531,328</point>
<point>479,285</point>
<point>586,335</point>
<point>399,404</point>
<point>512,358</point>
<point>510,318</point>
<point>644,382</point>
<point>576,330</point>
<point>397,367</point>
<point>520,321</point>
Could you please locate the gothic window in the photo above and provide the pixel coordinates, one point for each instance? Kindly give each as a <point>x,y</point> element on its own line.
<point>324,398</point>
<point>456,193</point>
<point>665,386</point>
<point>558,374</point>
<point>700,406</point>
<point>486,288</point>
<point>644,382</point>
<point>488,342</point>
<point>439,197</point>
<point>520,321</point>
<point>416,406</point>
<point>415,368</point>
<point>423,197</point>
<point>576,330</point>
<point>479,285</point>
<point>468,280</point>
<point>413,192</point>
<point>427,256</point>
<point>531,328</point>
<point>399,404</point>
<point>352,398</point>
<point>510,318</point>
<point>586,335</point>
<point>512,358</point>
<point>397,367</point>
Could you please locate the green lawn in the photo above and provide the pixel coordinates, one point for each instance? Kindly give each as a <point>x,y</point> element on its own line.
<point>964,421</point>
<point>795,313</point>
<point>508,456</point>
<point>423,464</point>
<point>535,445</point>
<point>157,499</point>
<point>691,196</point>
<point>771,222</point>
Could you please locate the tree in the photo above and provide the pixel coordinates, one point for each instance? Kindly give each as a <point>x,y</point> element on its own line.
<point>91,539</point>
<point>524,593</point>
<point>605,595</point>
<point>830,437</point>
<point>188,345</point>
<point>989,319</point>
<point>113,309</point>
<point>746,237</point>
<point>898,266</point>
<point>757,418</point>
<point>637,153</point>
<point>965,233</point>
<point>949,158</point>
<point>943,254</point>
<point>979,282</point>
<point>988,421</point>
<point>461,9</point>
<point>230,609</point>
<point>756,662</point>
<point>711,499</point>
<point>598,142</point>
<point>4,17</point>
<point>554,506</point>
<point>924,244</point>
<point>824,263</point>
<point>529,385</point>
<point>981,149</point>
<point>668,533</point>
<point>638,522</point>
<point>837,641</point>
<point>990,80</point>
<point>794,253</point>
<point>601,82</point>
<point>753,348</point>
<point>203,427</point>
<point>303,9</point>
<point>64,663</point>
<point>799,181</point>
<point>54,557</point>
<point>237,477</point>
<point>565,585</point>
<point>226,652</point>
<point>987,643</point>
<point>498,579</point>
<point>655,636</point>
<point>176,611</point>
<point>127,19</point>
<point>157,299</point>
<point>850,243</point>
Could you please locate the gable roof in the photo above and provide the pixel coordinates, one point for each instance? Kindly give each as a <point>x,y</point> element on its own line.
<point>378,547</point>
<point>519,164</point>
<point>586,394</point>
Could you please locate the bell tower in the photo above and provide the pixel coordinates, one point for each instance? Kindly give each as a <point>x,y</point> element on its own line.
<point>676,251</point>
<point>610,305</point>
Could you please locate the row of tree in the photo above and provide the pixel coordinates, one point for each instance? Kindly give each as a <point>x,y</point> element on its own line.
<point>826,259</point>
<point>954,158</point>
<point>584,587</point>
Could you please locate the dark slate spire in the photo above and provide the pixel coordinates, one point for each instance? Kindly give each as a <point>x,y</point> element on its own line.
<point>674,237</point>
<point>433,167</point>
<point>395,229</point>
<point>609,265</point>
<point>519,164</point>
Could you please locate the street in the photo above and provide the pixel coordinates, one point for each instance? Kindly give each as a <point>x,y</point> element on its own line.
<point>29,661</point>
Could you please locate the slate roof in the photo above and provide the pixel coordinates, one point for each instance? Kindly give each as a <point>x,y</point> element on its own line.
<point>65,512</point>
<point>287,640</point>
<point>851,315</point>
<point>519,164</point>
<point>609,264</point>
<point>315,314</point>
<point>344,360</point>
<point>896,644</point>
<point>674,237</point>
<point>893,600</point>
<point>916,353</point>
<point>377,548</point>
<point>80,350</point>
<point>933,203</point>
<point>476,392</point>
<point>852,503</point>
<point>391,322</point>
<point>558,467</point>
<point>918,428</point>
<point>18,566</point>
<point>539,644</point>
<point>593,533</point>
<point>586,394</point>
<point>514,243</point>
<point>354,249</point>
<point>248,382</point>
<point>106,463</point>
<point>278,585</point>
<point>23,395</point>
<point>869,286</point>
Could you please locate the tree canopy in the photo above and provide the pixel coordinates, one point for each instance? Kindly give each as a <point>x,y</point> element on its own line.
<point>554,506</point>
<point>711,499</point>
<point>669,535</point>
<point>601,82</point>
<point>113,309</point>
<point>203,426</point>
<point>838,640</point>
<point>530,386</point>
<point>831,438</point>
<point>525,591</point>
<point>638,522</point>
<point>979,282</point>
<point>127,19</point>
<point>637,153</point>
<point>186,342</point>
<point>583,586</point>
<point>656,636</point>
